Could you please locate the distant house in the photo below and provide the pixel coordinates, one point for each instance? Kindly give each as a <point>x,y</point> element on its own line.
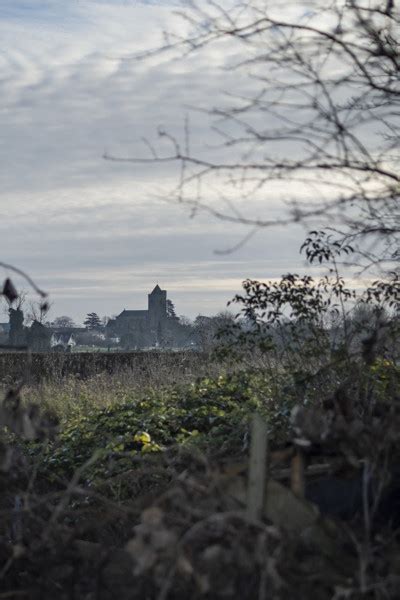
<point>97,334</point>
<point>63,342</point>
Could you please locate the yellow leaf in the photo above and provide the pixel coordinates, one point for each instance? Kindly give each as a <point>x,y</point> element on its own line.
<point>142,437</point>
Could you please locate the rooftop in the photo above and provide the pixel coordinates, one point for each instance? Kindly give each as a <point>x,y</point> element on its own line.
<point>156,290</point>
<point>134,313</point>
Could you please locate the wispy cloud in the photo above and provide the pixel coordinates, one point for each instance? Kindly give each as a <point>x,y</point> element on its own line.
<point>71,89</point>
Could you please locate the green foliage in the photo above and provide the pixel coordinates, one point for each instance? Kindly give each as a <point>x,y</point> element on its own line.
<point>302,318</point>
<point>384,380</point>
<point>211,413</point>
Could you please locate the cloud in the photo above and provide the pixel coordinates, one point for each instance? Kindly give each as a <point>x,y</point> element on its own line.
<point>71,89</point>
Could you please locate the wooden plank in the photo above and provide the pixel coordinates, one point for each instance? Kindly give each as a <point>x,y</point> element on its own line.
<point>258,468</point>
<point>297,479</point>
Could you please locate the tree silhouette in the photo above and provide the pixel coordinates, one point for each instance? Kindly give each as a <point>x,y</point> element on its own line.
<point>92,321</point>
<point>171,313</point>
<point>63,322</point>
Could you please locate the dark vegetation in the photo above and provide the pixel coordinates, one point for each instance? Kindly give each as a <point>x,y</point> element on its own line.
<point>52,367</point>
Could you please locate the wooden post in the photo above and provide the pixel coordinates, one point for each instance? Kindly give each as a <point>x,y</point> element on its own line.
<point>297,476</point>
<point>258,467</point>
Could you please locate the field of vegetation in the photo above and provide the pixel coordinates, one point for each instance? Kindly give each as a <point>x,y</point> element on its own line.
<point>133,484</point>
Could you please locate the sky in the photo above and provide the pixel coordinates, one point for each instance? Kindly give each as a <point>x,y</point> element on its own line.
<point>98,235</point>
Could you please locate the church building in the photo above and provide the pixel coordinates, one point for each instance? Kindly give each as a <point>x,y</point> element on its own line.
<point>142,328</point>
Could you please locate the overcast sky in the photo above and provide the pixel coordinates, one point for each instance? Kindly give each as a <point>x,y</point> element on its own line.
<point>98,235</point>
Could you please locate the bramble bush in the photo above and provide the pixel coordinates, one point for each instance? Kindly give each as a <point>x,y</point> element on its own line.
<point>210,413</point>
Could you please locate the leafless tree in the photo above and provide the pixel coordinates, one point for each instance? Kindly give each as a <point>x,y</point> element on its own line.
<point>63,321</point>
<point>38,311</point>
<point>313,119</point>
<point>19,302</point>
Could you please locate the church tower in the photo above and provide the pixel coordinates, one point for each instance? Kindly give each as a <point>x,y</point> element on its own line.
<point>157,307</point>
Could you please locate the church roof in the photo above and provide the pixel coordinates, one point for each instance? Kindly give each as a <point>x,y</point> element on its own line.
<point>63,338</point>
<point>133,313</point>
<point>156,290</point>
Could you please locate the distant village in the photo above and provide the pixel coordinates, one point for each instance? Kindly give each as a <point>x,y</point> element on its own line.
<point>156,327</point>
